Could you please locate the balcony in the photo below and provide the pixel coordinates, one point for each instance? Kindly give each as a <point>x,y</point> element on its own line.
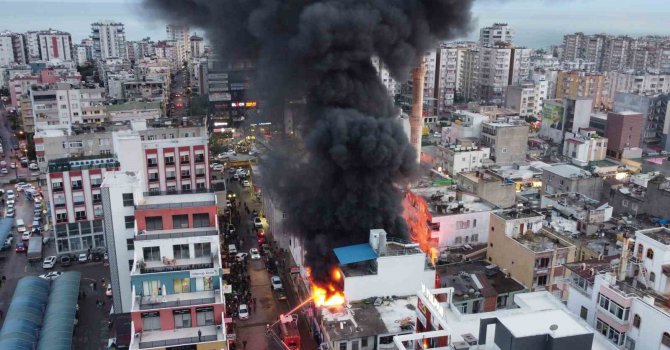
<point>171,177</point>
<point>181,336</point>
<point>199,174</point>
<point>79,202</point>
<point>184,161</point>
<point>57,188</point>
<point>59,205</point>
<point>169,161</point>
<point>153,179</point>
<point>172,265</point>
<point>77,186</point>
<point>151,164</point>
<point>200,159</point>
<point>153,302</point>
<point>176,233</point>
<point>96,185</point>
<point>97,200</point>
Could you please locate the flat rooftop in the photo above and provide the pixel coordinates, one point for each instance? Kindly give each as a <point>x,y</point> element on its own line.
<point>481,176</point>
<point>540,322</point>
<point>480,276</point>
<point>539,242</point>
<point>513,214</point>
<point>567,171</point>
<point>360,320</point>
<point>660,234</point>
<point>443,201</point>
<point>525,171</point>
<point>575,200</point>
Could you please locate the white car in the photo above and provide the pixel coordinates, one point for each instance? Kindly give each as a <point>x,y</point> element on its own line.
<point>3,163</point>
<point>258,223</point>
<point>49,262</point>
<point>276,283</point>
<point>83,258</point>
<point>108,292</point>
<point>254,254</point>
<point>50,276</point>
<point>243,312</point>
<point>26,236</point>
<point>217,167</point>
<point>4,171</point>
<point>10,195</point>
<point>241,256</point>
<point>33,166</point>
<point>246,183</point>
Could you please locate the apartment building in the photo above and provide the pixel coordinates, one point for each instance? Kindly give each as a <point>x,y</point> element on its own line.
<point>468,157</point>
<point>19,86</point>
<point>489,186</point>
<point>109,40</point>
<point>47,45</point>
<point>518,245</point>
<point>60,105</point>
<point>501,65</point>
<point>527,97</point>
<point>654,110</point>
<point>636,82</point>
<point>566,178</point>
<point>578,84</point>
<point>507,138</point>
<point>466,125</point>
<point>584,147</point>
<point>169,51</point>
<point>166,264</point>
<point>627,301</point>
<point>12,48</point>
<point>197,46</point>
<point>497,33</point>
<point>566,115</point>
<point>623,132</point>
<point>179,34</point>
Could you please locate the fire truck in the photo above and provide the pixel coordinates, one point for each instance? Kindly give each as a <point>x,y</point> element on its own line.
<point>289,333</point>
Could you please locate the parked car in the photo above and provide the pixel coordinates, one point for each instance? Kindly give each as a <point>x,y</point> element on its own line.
<point>65,260</point>
<point>49,262</point>
<point>21,247</point>
<point>4,171</point>
<point>241,256</point>
<point>108,292</point>
<point>12,165</point>
<point>26,236</point>
<point>243,312</point>
<point>276,283</point>
<point>33,166</point>
<point>50,276</point>
<point>281,295</point>
<point>254,254</point>
<point>9,195</point>
<point>246,183</point>
<point>83,258</point>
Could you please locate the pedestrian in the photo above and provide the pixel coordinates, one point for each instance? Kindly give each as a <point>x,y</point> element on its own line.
<point>83,295</point>
<point>199,335</point>
<point>94,286</point>
<point>244,344</point>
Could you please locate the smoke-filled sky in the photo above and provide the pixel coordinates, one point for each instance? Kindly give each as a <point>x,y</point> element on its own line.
<point>538,23</point>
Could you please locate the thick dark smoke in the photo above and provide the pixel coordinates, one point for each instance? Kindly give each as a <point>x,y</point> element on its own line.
<point>346,177</point>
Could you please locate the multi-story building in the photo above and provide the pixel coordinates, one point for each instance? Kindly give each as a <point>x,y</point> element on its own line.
<point>495,34</point>
<point>518,245</point>
<point>623,132</point>
<point>627,300</point>
<point>577,84</point>
<point>633,198</point>
<point>566,178</point>
<point>109,40</point>
<point>166,264</point>
<point>466,125</point>
<point>12,48</point>
<point>470,75</point>
<point>60,105</point>
<point>440,218</point>
<point>459,158</point>
<point>489,186</point>
<point>197,46</point>
<point>19,86</point>
<point>527,97</point>
<point>507,139</point>
<point>643,83</point>
<point>154,69</point>
<point>499,66</point>
<point>136,50</point>
<point>616,53</point>
<point>655,113</point>
<point>584,147</point>
<point>567,115</point>
<point>145,90</point>
<point>169,51</point>
<point>47,45</point>
<point>180,35</point>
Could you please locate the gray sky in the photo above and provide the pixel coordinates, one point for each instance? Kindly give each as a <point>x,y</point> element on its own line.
<point>537,23</point>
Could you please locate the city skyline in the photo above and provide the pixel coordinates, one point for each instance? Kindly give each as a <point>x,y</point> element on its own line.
<point>528,18</point>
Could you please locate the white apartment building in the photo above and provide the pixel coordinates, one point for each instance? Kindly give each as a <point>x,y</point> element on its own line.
<point>197,46</point>
<point>182,39</point>
<point>169,51</point>
<point>584,147</point>
<point>12,48</point>
<point>109,40</point>
<point>58,106</point>
<point>6,50</point>
<point>527,98</point>
<point>627,301</point>
<point>387,80</point>
<point>47,45</point>
<point>497,33</point>
<point>467,125</point>
<point>500,66</point>
<point>464,158</point>
<point>643,83</point>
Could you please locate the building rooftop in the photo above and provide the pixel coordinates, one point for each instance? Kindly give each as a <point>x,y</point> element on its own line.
<point>474,279</point>
<point>575,200</point>
<point>360,320</point>
<point>128,106</point>
<point>513,214</point>
<point>540,323</point>
<point>524,171</point>
<point>444,201</point>
<point>83,163</point>
<point>482,176</point>
<point>567,171</point>
<point>659,234</point>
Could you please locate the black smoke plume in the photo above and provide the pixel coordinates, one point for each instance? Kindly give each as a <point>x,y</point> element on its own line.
<point>345,178</point>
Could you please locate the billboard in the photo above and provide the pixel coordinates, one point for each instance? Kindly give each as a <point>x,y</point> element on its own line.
<point>552,116</point>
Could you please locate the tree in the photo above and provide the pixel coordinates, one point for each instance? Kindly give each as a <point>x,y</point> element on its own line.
<point>198,105</point>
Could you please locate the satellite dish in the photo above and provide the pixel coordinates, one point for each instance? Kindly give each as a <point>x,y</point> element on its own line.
<point>553,327</point>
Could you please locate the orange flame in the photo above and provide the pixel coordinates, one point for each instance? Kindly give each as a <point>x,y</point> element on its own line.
<point>329,295</point>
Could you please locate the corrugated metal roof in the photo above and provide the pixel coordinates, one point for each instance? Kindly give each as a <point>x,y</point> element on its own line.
<point>5,228</point>
<point>355,253</point>
<point>56,332</point>
<point>24,317</point>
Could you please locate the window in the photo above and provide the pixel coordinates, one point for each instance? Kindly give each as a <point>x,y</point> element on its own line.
<point>151,321</point>
<point>583,313</point>
<point>180,251</point>
<point>474,223</point>
<point>130,221</point>
<point>343,345</point>
<point>61,217</point>
<point>151,288</point>
<point>185,173</point>
<point>202,249</point>
<point>650,253</point>
<point>182,285</point>
<point>458,240</point>
<point>97,197</point>
<point>612,334</point>
<point>151,253</point>
<point>665,339</point>
<point>203,283</point>
<point>130,244</point>
<point>204,316</point>
<point>184,158</point>
<point>80,215</point>
<point>652,277</point>
<point>201,220</point>
<point>474,238</point>
<point>170,174</point>
<point>200,185</point>
<point>364,342</point>
<point>154,223</point>
<point>354,345</point>
<point>501,301</point>
<point>180,221</point>
<point>128,200</point>
<point>182,318</point>
<point>76,184</point>
<point>613,308</point>
<point>169,160</point>
<point>542,280</point>
<point>636,321</point>
<point>542,262</point>
<point>185,186</point>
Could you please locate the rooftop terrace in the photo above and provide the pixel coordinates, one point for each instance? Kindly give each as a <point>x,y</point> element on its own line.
<point>538,242</point>
<point>443,201</point>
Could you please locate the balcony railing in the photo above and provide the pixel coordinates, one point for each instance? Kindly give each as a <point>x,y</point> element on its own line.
<point>152,164</point>
<point>153,179</point>
<point>192,191</point>
<point>96,185</point>
<point>77,187</point>
<point>177,233</point>
<point>169,162</point>
<point>57,188</point>
<point>199,159</point>
<point>59,205</point>
<point>170,268</point>
<point>176,342</point>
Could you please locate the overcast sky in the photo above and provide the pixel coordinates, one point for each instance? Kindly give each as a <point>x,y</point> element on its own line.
<point>537,23</point>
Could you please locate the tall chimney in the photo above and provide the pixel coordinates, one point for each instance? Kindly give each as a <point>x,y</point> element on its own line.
<point>416,118</point>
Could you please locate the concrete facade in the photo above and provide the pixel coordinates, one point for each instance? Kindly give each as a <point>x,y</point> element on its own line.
<point>565,178</point>
<point>623,132</point>
<point>489,186</point>
<point>508,140</point>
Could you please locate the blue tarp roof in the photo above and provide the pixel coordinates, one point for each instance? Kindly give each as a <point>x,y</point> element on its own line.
<point>25,315</point>
<point>355,253</point>
<point>5,228</point>
<point>56,332</point>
